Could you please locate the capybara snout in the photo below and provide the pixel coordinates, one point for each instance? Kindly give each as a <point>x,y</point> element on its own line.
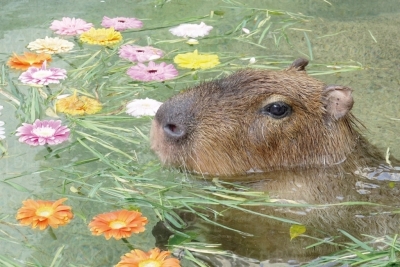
<point>256,120</point>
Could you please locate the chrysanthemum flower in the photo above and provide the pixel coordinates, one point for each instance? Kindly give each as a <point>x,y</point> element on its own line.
<point>118,224</point>
<point>152,72</point>
<point>43,132</point>
<point>2,131</point>
<point>139,53</point>
<point>23,62</point>
<point>191,30</point>
<point>152,258</point>
<point>121,23</point>
<point>70,26</point>
<point>196,61</point>
<point>51,45</point>
<point>41,213</point>
<point>143,107</point>
<point>78,105</point>
<point>101,36</point>
<point>42,76</point>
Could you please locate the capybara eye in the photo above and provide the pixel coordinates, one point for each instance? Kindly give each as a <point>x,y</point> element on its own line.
<point>277,110</point>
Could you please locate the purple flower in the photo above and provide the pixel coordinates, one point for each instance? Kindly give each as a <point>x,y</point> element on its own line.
<point>42,76</point>
<point>70,26</point>
<point>152,72</point>
<point>43,132</point>
<point>140,53</point>
<point>121,23</point>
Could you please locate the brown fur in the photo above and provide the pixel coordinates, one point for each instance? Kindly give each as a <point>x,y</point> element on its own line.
<point>227,134</point>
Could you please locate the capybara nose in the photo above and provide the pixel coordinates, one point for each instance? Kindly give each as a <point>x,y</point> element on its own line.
<point>174,130</point>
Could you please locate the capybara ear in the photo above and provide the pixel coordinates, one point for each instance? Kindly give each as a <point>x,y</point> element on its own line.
<point>299,64</point>
<point>338,100</point>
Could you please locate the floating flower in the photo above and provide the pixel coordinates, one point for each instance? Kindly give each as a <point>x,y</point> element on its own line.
<point>70,26</point>
<point>143,107</point>
<point>51,45</point>
<point>139,53</point>
<point>2,131</point>
<point>101,36</point>
<point>196,61</point>
<point>78,105</point>
<point>118,224</point>
<point>41,213</point>
<point>152,258</point>
<point>28,59</point>
<point>121,23</point>
<point>152,72</point>
<point>191,30</point>
<point>42,76</point>
<point>43,132</point>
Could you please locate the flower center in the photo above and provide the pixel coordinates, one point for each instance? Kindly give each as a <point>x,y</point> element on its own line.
<point>152,71</point>
<point>44,131</point>
<point>41,74</point>
<point>100,37</point>
<point>121,21</point>
<point>117,224</point>
<point>150,263</point>
<point>140,51</point>
<point>44,212</point>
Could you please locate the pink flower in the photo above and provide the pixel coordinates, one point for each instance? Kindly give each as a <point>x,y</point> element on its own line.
<point>43,132</point>
<point>121,23</point>
<point>70,26</point>
<point>152,72</point>
<point>139,53</point>
<point>42,76</point>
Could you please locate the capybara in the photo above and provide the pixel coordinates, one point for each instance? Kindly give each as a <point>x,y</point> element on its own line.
<point>292,136</point>
<point>258,121</point>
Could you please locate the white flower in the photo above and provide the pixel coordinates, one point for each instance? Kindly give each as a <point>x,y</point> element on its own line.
<point>142,107</point>
<point>191,30</point>
<point>192,42</point>
<point>50,45</point>
<point>2,132</point>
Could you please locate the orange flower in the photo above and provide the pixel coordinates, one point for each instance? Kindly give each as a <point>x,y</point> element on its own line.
<point>118,224</point>
<point>41,213</point>
<point>23,62</point>
<point>153,258</point>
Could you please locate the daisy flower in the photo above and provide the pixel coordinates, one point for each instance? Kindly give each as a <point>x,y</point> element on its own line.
<point>42,76</point>
<point>101,36</point>
<point>152,72</point>
<point>28,59</point>
<point>118,224</point>
<point>70,26</point>
<point>51,45</point>
<point>191,30</point>
<point>139,53</point>
<point>43,132</point>
<point>78,105</point>
<point>2,131</point>
<point>196,61</point>
<point>121,23</point>
<point>41,213</point>
<point>143,107</point>
<point>152,258</point>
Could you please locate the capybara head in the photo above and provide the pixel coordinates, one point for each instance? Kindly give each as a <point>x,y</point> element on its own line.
<point>256,120</point>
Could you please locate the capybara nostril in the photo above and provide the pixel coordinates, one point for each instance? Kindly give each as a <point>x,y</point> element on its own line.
<point>174,131</point>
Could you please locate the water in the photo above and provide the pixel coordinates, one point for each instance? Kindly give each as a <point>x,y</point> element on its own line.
<point>345,32</point>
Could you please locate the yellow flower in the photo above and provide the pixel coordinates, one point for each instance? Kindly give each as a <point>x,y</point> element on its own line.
<point>101,36</point>
<point>42,213</point>
<point>196,61</point>
<point>152,258</point>
<point>78,105</point>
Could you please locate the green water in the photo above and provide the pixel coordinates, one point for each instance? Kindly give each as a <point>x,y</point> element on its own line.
<point>361,33</point>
